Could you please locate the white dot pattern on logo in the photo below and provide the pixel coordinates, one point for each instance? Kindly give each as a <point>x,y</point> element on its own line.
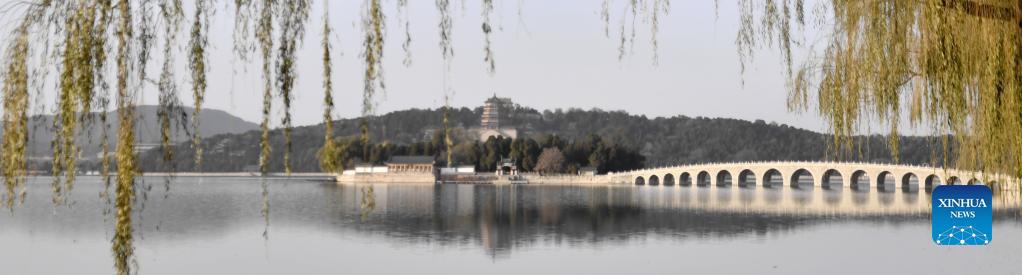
<point>962,236</point>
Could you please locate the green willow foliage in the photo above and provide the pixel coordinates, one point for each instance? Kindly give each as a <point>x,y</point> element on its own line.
<point>172,13</point>
<point>952,65</point>
<point>402,11</point>
<point>328,153</point>
<point>487,28</point>
<point>76,82</point>
<point>639,11</point>
<point>123,248</point>
<point>197,64</point>
<point>15,117</point>
<point>447,52</point>
<point>372,26</point>
<point>264,32</point>
<point>293,15</point>
<point>448,140</point>
<point>105,15</point>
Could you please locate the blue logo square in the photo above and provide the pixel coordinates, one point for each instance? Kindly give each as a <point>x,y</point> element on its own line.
<point>962,215</point>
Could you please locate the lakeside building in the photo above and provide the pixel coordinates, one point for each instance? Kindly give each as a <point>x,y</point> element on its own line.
<point>414,164</point>
<point>587,171</point>
<point>506,167</point>
<point>399,169</point>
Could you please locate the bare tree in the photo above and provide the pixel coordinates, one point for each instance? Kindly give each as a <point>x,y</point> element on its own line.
<point>550,161</point>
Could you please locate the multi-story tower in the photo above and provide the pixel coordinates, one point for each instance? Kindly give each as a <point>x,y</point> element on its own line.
<point>492,112</point>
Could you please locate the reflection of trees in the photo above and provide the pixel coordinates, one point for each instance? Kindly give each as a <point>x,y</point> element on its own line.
<point>501,218</point>
<point>368,202</point>
<point>498,218</point>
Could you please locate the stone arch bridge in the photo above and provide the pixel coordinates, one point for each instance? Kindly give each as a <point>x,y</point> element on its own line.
<point>802,174</point>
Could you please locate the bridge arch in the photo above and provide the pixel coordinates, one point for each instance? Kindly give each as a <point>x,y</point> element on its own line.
<point>684,179</point>
<point>640,181</point>
<point>953,180</point>
<point>703,179</point>
<point>859,180</point>
<point>772,178</point>
<point>831,179</point>
<point>973,181</point>
<point>885,181</point>
<point>668,179</point>
<point>909,182</point>
<point>746,178</point>
<point>724,178</point>
<point>653,181</point>
<point>932,181</point>
<point>802,179</point>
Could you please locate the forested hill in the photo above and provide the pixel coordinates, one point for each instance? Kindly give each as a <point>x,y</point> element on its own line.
<point>663,141</point>
<point>214,122</point>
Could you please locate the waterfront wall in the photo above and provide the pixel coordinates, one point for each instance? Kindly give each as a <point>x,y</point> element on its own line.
<point>232,174</point>
<point>426,178</point>
<point>566,179</point>
<point>399,177</point>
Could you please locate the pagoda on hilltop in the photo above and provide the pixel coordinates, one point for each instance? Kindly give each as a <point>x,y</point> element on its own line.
<point>490,124</point>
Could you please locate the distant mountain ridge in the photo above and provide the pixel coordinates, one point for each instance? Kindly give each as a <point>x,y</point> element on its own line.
<point>663,141</point>
<point>213,122</point>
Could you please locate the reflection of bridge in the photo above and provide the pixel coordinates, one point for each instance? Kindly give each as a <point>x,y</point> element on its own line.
<point>800,175</point>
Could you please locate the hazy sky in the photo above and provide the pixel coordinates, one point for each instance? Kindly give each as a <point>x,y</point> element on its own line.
<point>553,55</point>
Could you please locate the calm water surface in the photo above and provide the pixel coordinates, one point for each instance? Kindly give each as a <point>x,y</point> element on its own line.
<point>214,226</point>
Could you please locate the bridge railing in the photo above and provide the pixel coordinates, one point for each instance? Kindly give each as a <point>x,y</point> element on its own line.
<point>916,166</point>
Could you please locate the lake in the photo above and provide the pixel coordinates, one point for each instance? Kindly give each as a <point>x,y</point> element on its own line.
<point>215,226</point>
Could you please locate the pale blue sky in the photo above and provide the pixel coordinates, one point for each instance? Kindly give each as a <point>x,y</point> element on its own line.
<point>553,55</point>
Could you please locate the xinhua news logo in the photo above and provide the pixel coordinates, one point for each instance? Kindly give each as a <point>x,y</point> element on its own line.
<point>962,215</point>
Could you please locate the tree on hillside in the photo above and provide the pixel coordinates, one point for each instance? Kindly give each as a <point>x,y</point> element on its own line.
<point>550,161</point>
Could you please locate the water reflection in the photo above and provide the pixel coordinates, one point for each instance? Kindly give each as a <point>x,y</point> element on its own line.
<point>264,185</point>
<point>368,202</point>
<point>498,220</point>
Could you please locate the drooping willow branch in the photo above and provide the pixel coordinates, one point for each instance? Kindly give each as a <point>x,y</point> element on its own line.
<point>660,7</point>
<point>447,53</point>
<point>76,83</point>
<point>264,31</point>
<point>105,15</point>
<point>448,140</point>
<point>123,242</point>
<point>487,28</point>
<point>198,43</point>
<point>172,14</point>
<point>372,52</point>
<point>402,10</point>
<point>15,117</point>
<point>293,15</point>
<point>328,154</point>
